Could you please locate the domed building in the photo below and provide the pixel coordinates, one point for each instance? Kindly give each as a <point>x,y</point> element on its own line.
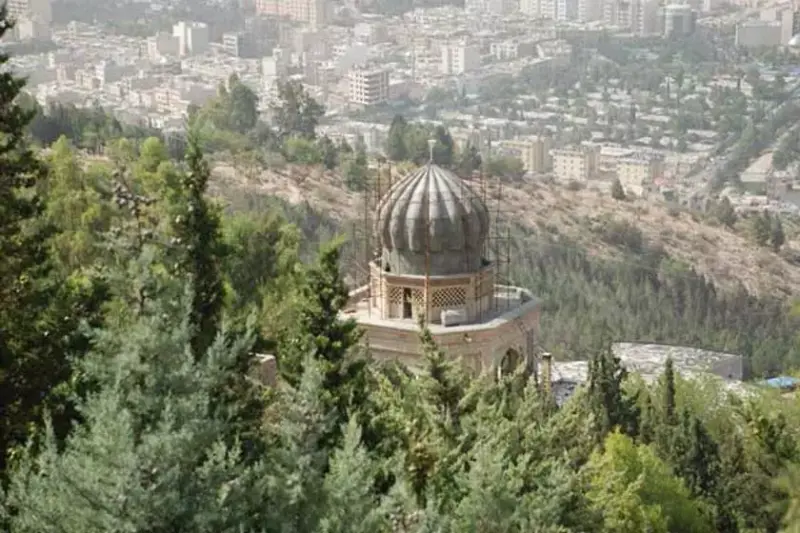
<point>433,232</point>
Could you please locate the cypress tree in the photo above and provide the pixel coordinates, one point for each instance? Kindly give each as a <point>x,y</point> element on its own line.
<point>668,384</point>
<point>201,250</point>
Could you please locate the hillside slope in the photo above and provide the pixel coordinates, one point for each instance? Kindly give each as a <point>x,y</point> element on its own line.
<point>724,255</point>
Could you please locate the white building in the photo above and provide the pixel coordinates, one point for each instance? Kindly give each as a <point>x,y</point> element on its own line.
<point>679,19</point>
<point>38,10</point>
<point>163,45</point>
<point>577,164</point>
<point>590,10</point>
<point>531,8</point>
<point>758,34</point>
<point>459,58</point>
<point>369,86</point>
<point>192,37</point>
<point>637,172</point>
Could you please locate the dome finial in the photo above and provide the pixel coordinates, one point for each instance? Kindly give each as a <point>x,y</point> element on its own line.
<point>431,145</point>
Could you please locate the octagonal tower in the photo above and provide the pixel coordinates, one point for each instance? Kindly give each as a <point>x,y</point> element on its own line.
<point>433,231</point>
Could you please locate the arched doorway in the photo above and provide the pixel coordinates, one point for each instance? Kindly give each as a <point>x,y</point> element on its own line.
<point>509,363</point>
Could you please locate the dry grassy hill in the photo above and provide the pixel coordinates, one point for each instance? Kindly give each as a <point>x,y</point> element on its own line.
<point>726,256</point>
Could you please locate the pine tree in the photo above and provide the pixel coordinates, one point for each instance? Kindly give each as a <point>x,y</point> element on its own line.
<point>201,250</point>
<point>700,464</point>
<point>668,388</point>
<point>777,237</point>
<point>152,454</point>
<point>649,421</point>
<point>330,340</point>
<point>445,384</point>
<point>396,149</point>
<point>611,406</point>
<point>725,212</point>
<point>40,311</point>
<point>350,503</point>
<point>617,192</point>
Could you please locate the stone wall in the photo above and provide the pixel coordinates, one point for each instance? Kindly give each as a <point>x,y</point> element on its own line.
<point>481,348</point>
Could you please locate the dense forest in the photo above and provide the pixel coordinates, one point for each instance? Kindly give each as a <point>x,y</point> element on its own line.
<point>131,306</point>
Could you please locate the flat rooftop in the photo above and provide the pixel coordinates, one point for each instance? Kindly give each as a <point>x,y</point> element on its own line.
<point>646,360</point>
<point>509,303</point>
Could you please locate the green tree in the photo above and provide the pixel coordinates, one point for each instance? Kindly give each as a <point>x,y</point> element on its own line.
<point>611,406</point>
<point>777,237</point>
<point>321,332</point>
<point>761,228</point>
<point>303,151</point>
<point>75,204</point>
<point>508,167</point>
<point>634,491</point>
<point>356,170</point>
<point>201,250</point>
<point>296,113</point>
<point>152,454</point>
<point>668,404</point>
<point>444,148</point>
<point>617,192</point>
<point>469,161</point>
<point>396,149</point>
<point>330,154</point>
<point>243,106</point>
<point>725,212</point>
<point>39,310</point>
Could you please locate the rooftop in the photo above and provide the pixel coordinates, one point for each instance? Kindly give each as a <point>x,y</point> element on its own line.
<point>646,360</point>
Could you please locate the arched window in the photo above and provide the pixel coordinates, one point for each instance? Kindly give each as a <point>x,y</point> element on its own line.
<point>510,363</point>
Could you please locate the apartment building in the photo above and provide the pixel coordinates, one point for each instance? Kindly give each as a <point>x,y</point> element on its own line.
<point>678,19</point>
<point>637,172</point>
<point>369,86</point>
<point>192,37</point>
<point>511,49</point>
<point>458,58</point>
<point>575,164</point>
<point>163,45</point>
<point>590,10</point>
<point>39,10</point>
<point>758,34</point>
<point>531,8</point>
<point>534,152</point>
<point>313,12</point>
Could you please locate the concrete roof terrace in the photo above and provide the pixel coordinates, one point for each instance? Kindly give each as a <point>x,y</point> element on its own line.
<point>509,304</point>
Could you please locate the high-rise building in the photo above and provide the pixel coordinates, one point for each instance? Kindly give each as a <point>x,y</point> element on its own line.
<point>313,12</point>
<point>790,23</point>
<point>163,44</point>
<point>534,152</point>
<point>531,8</point>
<point>575,164</point>
<point>566,10</point>
<point>590,10</point>
<point>192,37</point>
<point>458,58</point>
<point>39,10</point>
<point>369,86</point>
<point>678,19</point>
<point>638,171</point>
<point>491,7</point>
<point>758,34</point>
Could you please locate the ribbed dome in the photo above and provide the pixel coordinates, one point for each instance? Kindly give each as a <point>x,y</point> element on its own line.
<point>432,210</point>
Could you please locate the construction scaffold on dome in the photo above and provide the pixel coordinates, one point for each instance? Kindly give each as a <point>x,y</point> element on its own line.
<point>494,249</point>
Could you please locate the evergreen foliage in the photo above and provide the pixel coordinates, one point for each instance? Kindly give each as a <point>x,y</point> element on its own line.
<point>131,309</point>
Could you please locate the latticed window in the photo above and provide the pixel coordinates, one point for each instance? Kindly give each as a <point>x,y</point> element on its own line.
<point>449,298</point>
<point>418,298</point>
<point>396,295</point>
